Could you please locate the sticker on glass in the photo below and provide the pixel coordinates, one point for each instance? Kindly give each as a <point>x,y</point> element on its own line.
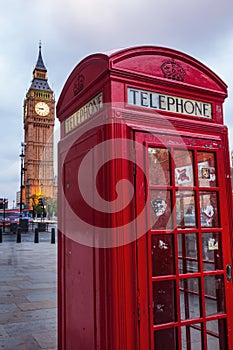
<point>163,245</point>
<point>208,173</point>
<point>159,206</point>
<point>208,213</point>
<point>212,244</point>
<point>183,175</point>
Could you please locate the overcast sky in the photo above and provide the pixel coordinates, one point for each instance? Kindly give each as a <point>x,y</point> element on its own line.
<point>72,29</point>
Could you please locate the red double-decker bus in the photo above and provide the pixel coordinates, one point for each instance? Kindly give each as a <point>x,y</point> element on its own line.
<point>10,216</point>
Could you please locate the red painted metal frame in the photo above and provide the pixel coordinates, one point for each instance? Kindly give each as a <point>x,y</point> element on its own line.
<point>144,257</point>
<point>104,294</point>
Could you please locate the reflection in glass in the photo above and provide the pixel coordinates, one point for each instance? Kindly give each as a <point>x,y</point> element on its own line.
<point>164,302</point>
<point>209,209</point>
<point>185,209</point>
<point>212,251</point>
<point>214,295</point>
<point>190,298</point>
<point>160,209</point>
<point>192,337</point>
<point>188,253</point>
<point>183,160</point>
<point>163,262</point>
<point>165,339</point>
<point>206,169</point>
<point>216,334</point>
<point>159,166</point>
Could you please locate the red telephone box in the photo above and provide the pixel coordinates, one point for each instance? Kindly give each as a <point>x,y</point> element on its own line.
<point>145,207</point>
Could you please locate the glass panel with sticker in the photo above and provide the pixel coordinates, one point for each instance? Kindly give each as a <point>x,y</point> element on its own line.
<point>209,209</point>
<point>183,160</point>
<point>207,176</point>
<point>164,306</point>
<point>212,251</point>
<point>185,209</point>
<point>159,166</point>
<point>163,258</point>
<point>160,209</point>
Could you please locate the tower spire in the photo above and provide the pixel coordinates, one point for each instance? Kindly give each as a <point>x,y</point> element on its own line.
<point>40,63</point>
<point>39,81</point>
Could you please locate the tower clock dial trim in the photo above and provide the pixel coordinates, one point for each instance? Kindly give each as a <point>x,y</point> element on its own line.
<point>42,109</point>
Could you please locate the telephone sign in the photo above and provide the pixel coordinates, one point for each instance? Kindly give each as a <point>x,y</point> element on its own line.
<point>162,102</point>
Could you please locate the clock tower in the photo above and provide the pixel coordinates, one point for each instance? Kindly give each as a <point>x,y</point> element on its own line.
<point>39,110</point>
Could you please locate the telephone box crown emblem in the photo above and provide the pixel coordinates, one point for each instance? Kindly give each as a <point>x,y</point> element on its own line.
<point>79,84</point>
<point>173,70</point>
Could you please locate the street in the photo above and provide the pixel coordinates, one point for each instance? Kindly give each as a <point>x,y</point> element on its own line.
<point>28,287</point>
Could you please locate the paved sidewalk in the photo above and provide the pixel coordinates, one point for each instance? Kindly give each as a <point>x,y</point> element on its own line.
<point>28,300</point>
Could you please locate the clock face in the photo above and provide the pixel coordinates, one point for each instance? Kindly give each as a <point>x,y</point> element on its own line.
<point>42,108</point>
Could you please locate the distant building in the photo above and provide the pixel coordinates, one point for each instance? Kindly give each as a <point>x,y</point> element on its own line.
<point>39,119</point>
<point>17,198</point>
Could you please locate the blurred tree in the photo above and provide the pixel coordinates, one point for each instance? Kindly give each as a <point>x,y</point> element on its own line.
<point>44,206</point>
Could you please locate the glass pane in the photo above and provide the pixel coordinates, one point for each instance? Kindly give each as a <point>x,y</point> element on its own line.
<point>163,262</point>
<point>183,160</point>
<point>216,335</point>
<point>165,339</point>
<point>206,169</point>
<point>192,337</point>
<point>212,251</point>
<point>209,209</point>
<point>159,166</point>
<point>214,295</point>
<point>185,209</point>
<point>164,302</point>
<point>188,253</point>
<point>189,298</point>
<point>160,209</point>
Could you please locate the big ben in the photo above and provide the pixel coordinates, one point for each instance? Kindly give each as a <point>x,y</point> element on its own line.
<point>39,118</point>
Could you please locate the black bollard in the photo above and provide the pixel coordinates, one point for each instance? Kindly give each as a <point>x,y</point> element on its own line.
<point>18,238</point>
<point>36,238</point>
<point>0,235</point>
<point>53,236</point>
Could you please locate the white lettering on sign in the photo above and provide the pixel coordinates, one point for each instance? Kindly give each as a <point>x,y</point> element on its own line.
<point>162,102</point>
<point>83,113</point>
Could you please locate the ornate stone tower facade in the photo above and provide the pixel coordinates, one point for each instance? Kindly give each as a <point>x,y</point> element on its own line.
<point>39,118</point>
